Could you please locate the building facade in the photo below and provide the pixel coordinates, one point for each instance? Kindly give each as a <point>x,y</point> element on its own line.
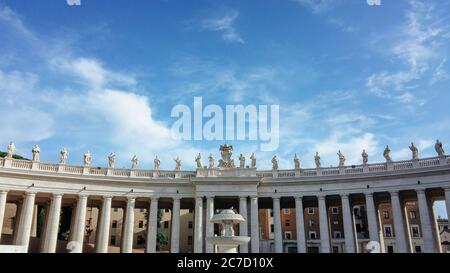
<point>338,209</point>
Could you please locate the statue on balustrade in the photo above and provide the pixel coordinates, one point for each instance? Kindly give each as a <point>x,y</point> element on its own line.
<point>134,162</point>
<point>87,158</point>
<point>253,159</point>
<point>177,164</point>
<point>63,156</point>
<point>341,159</point>
<point>439,148</point>
<point>111,160</point>
<point>198,159</point>
<point>317,160</point>
<point>226,151</point>
<point>242,161</point>
<point>274,163</point>
<point>156,163</point>
<point>36,153</point>
<point>387,154</point>
<point>212,161</point>
<point>365,157</point>
<point>11,150</point>
<point>415,151</point>
<point>296,162</point>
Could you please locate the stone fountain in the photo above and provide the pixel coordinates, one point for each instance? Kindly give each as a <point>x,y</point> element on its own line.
<point>227,242</point>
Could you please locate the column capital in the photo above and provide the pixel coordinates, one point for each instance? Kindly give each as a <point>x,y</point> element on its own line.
<point>30,193</point>
<point>394,193</point>
<point>369,194</point>
<point>254,197</point>
<point>420,191</point>
<point>199,197</point>
<point>83,196</point>
<point>57,194</point>
<point>131,198</point>
<point>345,195</point>
<point>243,197</point>
<point>447,189</point>
<point>321,197</point>
<point>298,197</point>
<point>107,196</point>
<point>276,198</point>
<point>176,198</point>
<point>4,191</point>
<point>210,197</point>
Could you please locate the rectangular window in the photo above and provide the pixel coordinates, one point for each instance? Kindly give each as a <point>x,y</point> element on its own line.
<point>141,224</point>
<point>114,224</point>
<point>166,224</point>
<point>115,209</point>
<point>287,211</point>
<point>415,231</point>
<point>191,210</point>
<point>337,235</point>
<point>356,212</point>
<point>335,249</point>
<point>335,210</point>
<point>390,249</point>
<point>412,214</point>
<point>140,240</point>
<point>141,210</point>
<point>312,235</point>
<point>387,231</point>
<point>113,240</point>
<point>287,223</point>
<point>287,235</point>
<point>311,222</point>
<point>386,214</point>
<point>271,228</point>
<point>190,240</point>
<point>310,210</point>
<point>418,249</point>
<point>166,210</point>
<point>190,224</point>
<point>271,212</point>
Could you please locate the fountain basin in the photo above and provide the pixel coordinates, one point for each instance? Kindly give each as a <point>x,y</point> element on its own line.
<point>228,244</point>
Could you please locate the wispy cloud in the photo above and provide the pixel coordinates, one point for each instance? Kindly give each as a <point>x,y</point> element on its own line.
<point>225,25</point>
<point>318,6</point>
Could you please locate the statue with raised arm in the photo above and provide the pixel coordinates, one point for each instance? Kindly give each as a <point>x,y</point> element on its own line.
<point>317,160</point>
<point>134,162</point>
<point>415,151</point>
<point>177,164</point>
<point>198,159</point>
<point>365,157</point>
<point>439,148</point>
<point>296,162</point>
<point>211,161</point>
<point>63,156</point>
<point>274,163</point>
<point>36,153</point>
<point>341,159</point>
<point>253,159</point>
<point>242,161</point>
<point>87,158</point>
<point>387,154</point>
<point>156,163</point>
<point>11,150</point>
<point>111,160</point>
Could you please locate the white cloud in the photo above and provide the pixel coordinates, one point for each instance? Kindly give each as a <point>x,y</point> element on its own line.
<point>225,25</point>
<point>317,6</point>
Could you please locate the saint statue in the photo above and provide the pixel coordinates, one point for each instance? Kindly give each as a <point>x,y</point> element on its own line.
<point>134,162</point>
<point>111,160</point>
<point>226,151</point>
<point>253,159</point>
<point>63,156</point>
<point>241,161</point>
<point>211,160</point>
<point>439,148</point>
<point>198,159</point>
<point>274,163</point>
<point>36,153</point>
<point>296,162</point>
<point>387,154</point>
<point>365,157</point>
<point>341,159</point>
<point>156,163</point>
<point>177,164</point>
<point>415,151</point>
<point>11,150</point>
<point>317,160</point>
<point>87,158</point>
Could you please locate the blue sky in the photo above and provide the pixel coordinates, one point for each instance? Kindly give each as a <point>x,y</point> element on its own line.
<point>104,76</point>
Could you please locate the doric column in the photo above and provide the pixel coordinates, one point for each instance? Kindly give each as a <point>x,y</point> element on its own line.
<point>372,218</point>
<point>447,202</point>
<point>243,227</point>
<point>3,195</point>
<point>427,231</point>
<point>398,223</point>
<point>152,225</point>
<point>80,223</point>
<point>175,236</point>
<point>300,224</point>
<point>209,226</point>
<point>26,219</point>
<point>348,224</point>
<point>277,225</point>
<point>104,227</point>
<point>51,231</point>
<point>198,232</point>
<point>254,224</point>
<point>128,227</point>
<point>324,231</point>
